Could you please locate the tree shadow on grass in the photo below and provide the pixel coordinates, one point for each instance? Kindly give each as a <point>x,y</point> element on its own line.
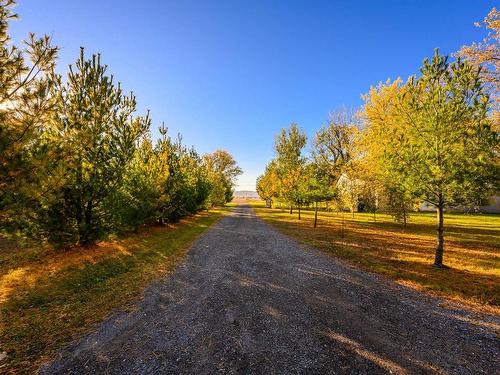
<point>407,256</point>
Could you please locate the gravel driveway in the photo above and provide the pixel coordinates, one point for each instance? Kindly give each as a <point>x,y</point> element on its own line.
<point>249,300</point>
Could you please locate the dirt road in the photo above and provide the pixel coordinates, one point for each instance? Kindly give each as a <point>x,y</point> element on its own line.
<point>249,300</point>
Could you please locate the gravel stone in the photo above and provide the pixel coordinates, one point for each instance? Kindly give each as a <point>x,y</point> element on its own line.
<point>249,300</point>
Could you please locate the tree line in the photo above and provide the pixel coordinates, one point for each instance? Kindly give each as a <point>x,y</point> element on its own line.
<point>431,139</point>
<point>77,162</point>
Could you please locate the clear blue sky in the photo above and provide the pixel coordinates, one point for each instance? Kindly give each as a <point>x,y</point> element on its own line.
<point>230,74</point>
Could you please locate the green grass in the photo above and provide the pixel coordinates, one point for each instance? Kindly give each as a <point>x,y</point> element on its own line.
<point>378,244</point>
<point>49,297</point>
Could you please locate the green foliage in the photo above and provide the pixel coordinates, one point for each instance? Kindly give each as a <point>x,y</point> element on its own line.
<point>334,146</point>
<point>135,201</point>
<point>78,164</point>
<point>268,184</point>
<point>26,77</point>
<point>290,163</point>
<point>162,184</point>
<point>188,186</point>
<point>335,155</point>
<point>445,145</point>
<point>97,135</point>
<point>319,184</point>
<point>431,139</point>
<point>436,141</point>
<point>222,172</point>
<point>401,203</point>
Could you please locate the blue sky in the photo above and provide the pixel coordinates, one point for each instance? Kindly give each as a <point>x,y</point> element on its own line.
<point>230,74</point>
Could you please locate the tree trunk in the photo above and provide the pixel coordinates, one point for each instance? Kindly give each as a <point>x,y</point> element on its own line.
<point>342,229</point>
<point>438,259</point>
<point>299,211</point>
<point>291,210</point>
<point>85,233</point>
<point>80,205</point>
<point>315,214</point>
<point>404,216</point>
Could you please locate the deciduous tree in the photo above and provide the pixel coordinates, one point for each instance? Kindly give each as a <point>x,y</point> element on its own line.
<point>319,185</point>
<point>487,56</point>
<point>438,141</point>
<point>334,146</point>
<point>222,173</point>
<point>268,184</point>
<point>290,162</point>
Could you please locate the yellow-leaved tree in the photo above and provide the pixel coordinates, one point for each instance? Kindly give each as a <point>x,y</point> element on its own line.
<point>432,137</point>
<point>486,55</point>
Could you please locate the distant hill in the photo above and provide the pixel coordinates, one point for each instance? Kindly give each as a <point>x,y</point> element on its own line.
<point>246,194</point>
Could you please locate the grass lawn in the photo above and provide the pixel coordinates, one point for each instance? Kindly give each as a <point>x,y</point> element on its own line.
<point>472,248</point>
<point>49,297</point>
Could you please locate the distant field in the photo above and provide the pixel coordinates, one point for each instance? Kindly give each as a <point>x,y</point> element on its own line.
<point>378,244</point>
<point>49,297</point>
<point>246,194</point>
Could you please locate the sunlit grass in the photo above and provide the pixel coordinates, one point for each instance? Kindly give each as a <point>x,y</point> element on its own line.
<point>378,244</point>
<point>49,297</point>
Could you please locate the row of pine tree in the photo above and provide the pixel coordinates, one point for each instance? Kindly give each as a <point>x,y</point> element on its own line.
<point>77,162</point>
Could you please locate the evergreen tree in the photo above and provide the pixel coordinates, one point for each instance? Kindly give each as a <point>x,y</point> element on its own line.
<point>98,134</point>
<point>26,78</point>
<point>135,202</point>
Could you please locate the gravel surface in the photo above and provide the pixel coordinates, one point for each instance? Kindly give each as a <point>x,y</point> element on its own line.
<point>249,300</point>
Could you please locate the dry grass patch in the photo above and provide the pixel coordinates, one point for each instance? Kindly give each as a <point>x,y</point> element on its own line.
<point>378,244</point>
<point>49,297</point>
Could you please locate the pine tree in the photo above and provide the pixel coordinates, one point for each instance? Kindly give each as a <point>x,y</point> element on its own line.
<point>98,134</point>
<point>26,78</point>
<point>135,202</point>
